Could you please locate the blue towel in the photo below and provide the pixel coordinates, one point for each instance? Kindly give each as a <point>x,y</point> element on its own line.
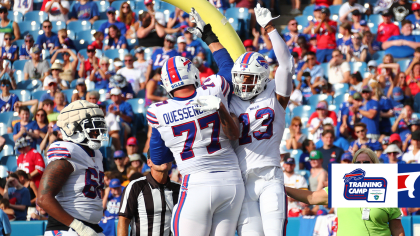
<point>307,224</point>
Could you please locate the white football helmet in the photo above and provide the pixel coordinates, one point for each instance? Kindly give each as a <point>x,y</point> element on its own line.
<point>78,119</point>
<point>254,64</point>
<point>178,72</point>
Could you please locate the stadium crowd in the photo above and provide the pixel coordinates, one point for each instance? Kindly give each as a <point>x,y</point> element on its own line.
<point>357,84</point>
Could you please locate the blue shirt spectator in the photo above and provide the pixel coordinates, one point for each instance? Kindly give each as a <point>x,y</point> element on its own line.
<point>5,227</point>
<point>104,28</point>
<point>339,142</point>
<point>370,113</point>
<point>30,127</point>
<point>385,105</point>
<point>220,4</point>
<point>193,46</point>
<point>112,207</point>
<point>160,56</point>
<point>370,143</point>
<point>20,196</point>
<point>84,10</point>
<point>7,99</point>
<point>403,45</point>
<point>119,107</point>
<point>120,43</point>
<point>48,40</point>
<point>9,53</point>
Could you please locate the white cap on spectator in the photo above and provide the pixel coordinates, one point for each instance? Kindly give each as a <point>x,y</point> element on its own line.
<point>104,59</point>
<point>393,148</point>
<point>181,39</point>
<point>118,63</point>
<point>134,157</point>
<point>80,81</point>
<point>115,91</point>
<point>170,37</point>
<point>373,63</point>
<point>48,80</point>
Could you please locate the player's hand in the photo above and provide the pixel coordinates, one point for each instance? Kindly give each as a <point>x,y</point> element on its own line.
<point>82,229</point>
<point>207,103</point>
<point>263,15</point>
<point>196,18</point>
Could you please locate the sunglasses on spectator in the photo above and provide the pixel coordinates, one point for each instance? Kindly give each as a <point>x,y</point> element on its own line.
<point>360,131</point>
<point>128,59</point>
<point>111,13</point>
<point>125,7</point>
<point>47,26</point>
<point>27,41</point>
<point>7,38</point>
<point>311,58</point>
<point>52,84</point>
<point>2,12</point>
<point>104,64</point>
<point>5,85</point>
<point>295,23</point>
<point>40,115</point>
<point>363,162</point>
<point>117,159</point>
<point>365,91</point>
<point>90,50</point>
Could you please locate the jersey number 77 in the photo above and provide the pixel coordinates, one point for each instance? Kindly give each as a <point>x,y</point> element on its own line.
<point>191,129</point>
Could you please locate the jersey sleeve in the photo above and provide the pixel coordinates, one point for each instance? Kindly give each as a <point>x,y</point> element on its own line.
<point>219,84</point>
<point>225,64</point>
<point>159,153</point>
<point>60,151</point>
<point>39,163</point>
<point>151,117</point>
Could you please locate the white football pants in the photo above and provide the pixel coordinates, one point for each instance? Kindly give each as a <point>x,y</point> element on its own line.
<point>209,204</point>
<point>70,232</point>
<point>264,209</point>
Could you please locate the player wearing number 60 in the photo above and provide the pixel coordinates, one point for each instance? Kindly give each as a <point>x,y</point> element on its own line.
<point>195,127</point>
<point>70,188</point>
<point>260,105</point>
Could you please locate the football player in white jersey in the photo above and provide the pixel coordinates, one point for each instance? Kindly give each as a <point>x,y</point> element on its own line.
<point>260,105</point>
<point>70,188</point>
<point>195,127</point>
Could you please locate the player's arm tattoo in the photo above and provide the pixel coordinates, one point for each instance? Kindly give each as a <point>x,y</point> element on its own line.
<point>230,123</point>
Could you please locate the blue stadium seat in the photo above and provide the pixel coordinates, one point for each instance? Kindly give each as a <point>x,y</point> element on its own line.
<point>102,95</point>
<point>7,150</point>
<point>19,76</point>
<point>98,24</point>
<point>295,154</point>
<point>19,42</point>
<point>314,99</point>
<point>18,65</point>
<point>90,85</point>
<point>85,35</point>
<point>23,95</point>
<point>37,4</point>
<point>35,33</point>
<point>102,5</point>
<point>71,34</point>
<point>10,162</point>
<point>340,88</point>
<point>79,25</point>
<point>114,53</point>
<point>25,27</point>
<point>358,66</point>
<point>241,15</point>
<point>376,19</point>
<point>38,94</point>
<point>302,20</point>
<point>58,25</point>
<point>235,25</point>
<point>378,56</point>
<point>404,64</point>
<point>15,16</point>
<point>5,121</point>
<point>131,43</point>
<point>309,10</point>
<point>140,6</point>
<point>324,67</point>
<point>165,6</point>
<point>334,9</point>
<point>38,16</point>
<point>303,111</point>
<point>80,44</point>
<point>103,16</point>
<point>69,93</point>
<point>117,4</point>
<point>338,100</point>
<point>139,110</point>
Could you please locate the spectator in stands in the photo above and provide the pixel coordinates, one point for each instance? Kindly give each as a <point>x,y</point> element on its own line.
<point>56,70</point>
<point>369,41</point>
<point>349,115</point>
<point>387,28</point>
<point>36,68</point>
<point>204,71</point>
<point>317,123</point>
<point>330,114</point>
<point>291,37</point>
<point>362,140</point>
<point>129,18</point>
<point>132,146</point>
<point>413,77</point>
<point>81,90</point>
<point>48,106</point>
<point>119,81</point>
<point>59,101</point>
<point>193,46</point>
<point>99,38</point>
<point>401,124</point>
<point>414,126</point>
<point>41,123</point>
<point>23,178</point>
<point>101,75</point>
<point>7,99</point>
<point>48,40</point>
<point>111,204</point>
<point>161,55</point>
<point>325,30</point>
<point>310,84</point>
<point>329,149</point>
<point>6,25</point>
<point>135,161</point>
<point>346,158</point>
<point>116,40</point>
<point>141,64</point>
<point>118,64</point>
<point>415,17</point>
<point>84,10</point>
<point>64,41</point>
<point>345,40</point>
<point>356,51</point>
<point>394,153</point>
<point>25,127</point>
<point>317,17</point>
<point>39,214</point>
<point>86,66</point>
<point>105,27</point>
<point>182,48</point>
<point>338,69</point>
<point>402,84</point>
<point>307,147</point>
<point>291,179</point>
<point>303,47</point>
<point>413,155</point>
<point>120,108</point>
<point>397,100</point>
<point>358,24</point>
<point>385,108</point>
<point>248,4</point>
<point>154,92</point>
<point>338,141</point>
<point>14,190</point>
<point>403,45</point>
<point>5,207</point>
<point>400,9</point>
<point>6,4</point>
<point>57,10</point>
<point>348,9</point>
<point>178,19</point>
<point>295,137</point>
<point>150,34</point>
<point>119,159</point>
<point>370,113</point>
<point>356,82</point>
<point>132,75</point>
<point>262,42</point>
<point>25,49</point>
<point>318,173</point>
<point>296,98</point>
<point>69,67</point>
<point>159,16</point>
<point>9,51</point>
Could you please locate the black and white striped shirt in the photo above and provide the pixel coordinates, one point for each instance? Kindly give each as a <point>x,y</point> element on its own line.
<point>149,206</point>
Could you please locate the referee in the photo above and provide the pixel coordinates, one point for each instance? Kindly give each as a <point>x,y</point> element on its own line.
<point>147,203</point>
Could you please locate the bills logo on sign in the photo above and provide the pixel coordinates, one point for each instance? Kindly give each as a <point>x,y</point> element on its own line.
<point>409,185</point>
<point>358,187</point>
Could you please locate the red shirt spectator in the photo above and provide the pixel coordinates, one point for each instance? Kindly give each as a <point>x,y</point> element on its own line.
<point>325,39</point>
<point>325,3</point>
<point>298,50</point>
<point>97,45</point>
<point>205,72</point>
<point>331,114</point>
<point>387,28</point>
<point>30,162</point>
